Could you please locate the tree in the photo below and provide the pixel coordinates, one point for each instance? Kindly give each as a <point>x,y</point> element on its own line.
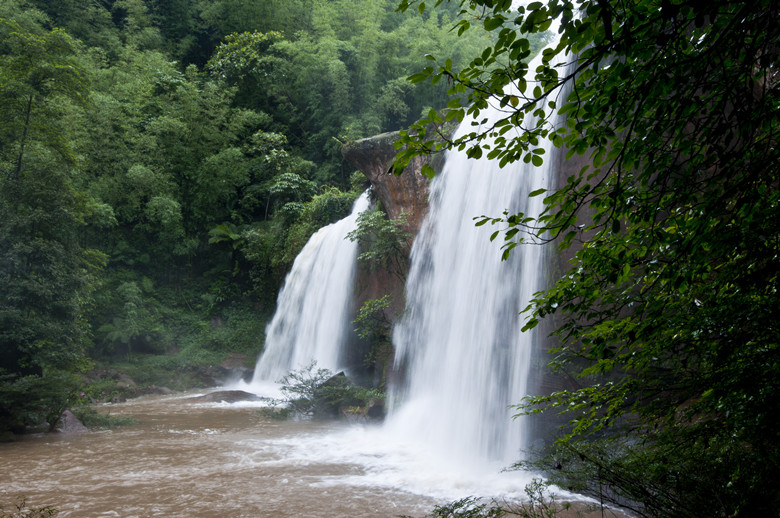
<point>36,68</point>
<point>328,72</point>
<point>668,311</point>
<point>45,275</point>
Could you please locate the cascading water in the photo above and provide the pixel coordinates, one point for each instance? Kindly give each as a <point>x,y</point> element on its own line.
<point>460,342</point>
<point>465,360</point>
<point>313,307</point>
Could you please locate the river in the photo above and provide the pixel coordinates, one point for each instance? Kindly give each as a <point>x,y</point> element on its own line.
<point>184,458</point>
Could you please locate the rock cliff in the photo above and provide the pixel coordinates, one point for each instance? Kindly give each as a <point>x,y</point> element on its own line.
<point>407,192</point>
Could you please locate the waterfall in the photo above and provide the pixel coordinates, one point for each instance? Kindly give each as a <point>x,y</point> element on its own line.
<point>460,344</point>
<point>313,307</point>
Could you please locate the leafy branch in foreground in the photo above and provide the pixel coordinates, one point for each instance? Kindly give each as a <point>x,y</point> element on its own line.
<point>538,503</point>
<point>667,313</point>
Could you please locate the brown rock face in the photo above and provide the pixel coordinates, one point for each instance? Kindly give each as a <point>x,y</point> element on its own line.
<point>405,193</point>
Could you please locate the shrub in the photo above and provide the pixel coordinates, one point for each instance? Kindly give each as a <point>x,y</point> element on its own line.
<point>34,403</point>
<point>313,391</point>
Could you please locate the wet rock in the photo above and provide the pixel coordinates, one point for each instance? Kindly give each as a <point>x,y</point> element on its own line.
<point>373,411</point>
<point>225,396</point>
<point>222,375</point>
<point>337,380</point>
<point>376,409</point>
<point>407,192</point>
<point>70,424</point>
<point>124,381</point>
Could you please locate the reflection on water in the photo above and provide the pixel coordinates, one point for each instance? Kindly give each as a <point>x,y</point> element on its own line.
<point>188,459</point>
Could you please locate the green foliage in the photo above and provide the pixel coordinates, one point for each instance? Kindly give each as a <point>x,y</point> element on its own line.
<point>468,507</point>
<point>33,402</point>
<point>667,313</point>
<point>373,325</point>
<point>135,324</point>
<point>371,322</point>
<point>45,275</point>
<point>336,76</point>
<point>645,479</point>
<point>244,53</point>
<point>384,243</point>
<point>323,209</point>
<point>162,163</point>
<point>314,391</point>
<point>539,503</point>
<point>35,68</point>
<point>95,420</point>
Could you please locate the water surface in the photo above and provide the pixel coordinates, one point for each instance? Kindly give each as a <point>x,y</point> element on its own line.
<point>198,460</point>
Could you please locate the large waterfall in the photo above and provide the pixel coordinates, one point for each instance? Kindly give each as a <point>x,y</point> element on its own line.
<point>460,343</point>
<point>314,305</point>
<point>460,353</point>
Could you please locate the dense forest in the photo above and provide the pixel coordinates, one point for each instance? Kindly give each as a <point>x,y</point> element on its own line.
<point>162,163</point>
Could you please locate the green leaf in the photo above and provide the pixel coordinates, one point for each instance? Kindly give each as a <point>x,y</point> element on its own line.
<point>493,22</point>
<point>474,152</point>
<point>418,77</point>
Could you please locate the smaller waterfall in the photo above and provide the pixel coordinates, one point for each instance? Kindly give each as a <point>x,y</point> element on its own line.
<point>313,307</point>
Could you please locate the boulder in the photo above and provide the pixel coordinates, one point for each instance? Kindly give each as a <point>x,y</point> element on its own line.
<point>70,424</point>
<point>407,192</point>
<point>376,409</point>
<point>337,380</point>
<point>124,381</point>
<point>225,396</point>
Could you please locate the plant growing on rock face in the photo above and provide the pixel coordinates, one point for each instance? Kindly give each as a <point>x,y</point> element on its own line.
<point>372,324</point>
<point>384,242</point>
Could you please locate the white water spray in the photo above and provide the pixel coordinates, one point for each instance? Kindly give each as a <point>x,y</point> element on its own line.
<point>460,342</point>
<point>314,305</point>
<point>450,428</point>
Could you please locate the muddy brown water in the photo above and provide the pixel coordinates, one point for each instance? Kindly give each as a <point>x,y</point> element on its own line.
<point>194,460</point>
<point>184,458</point>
